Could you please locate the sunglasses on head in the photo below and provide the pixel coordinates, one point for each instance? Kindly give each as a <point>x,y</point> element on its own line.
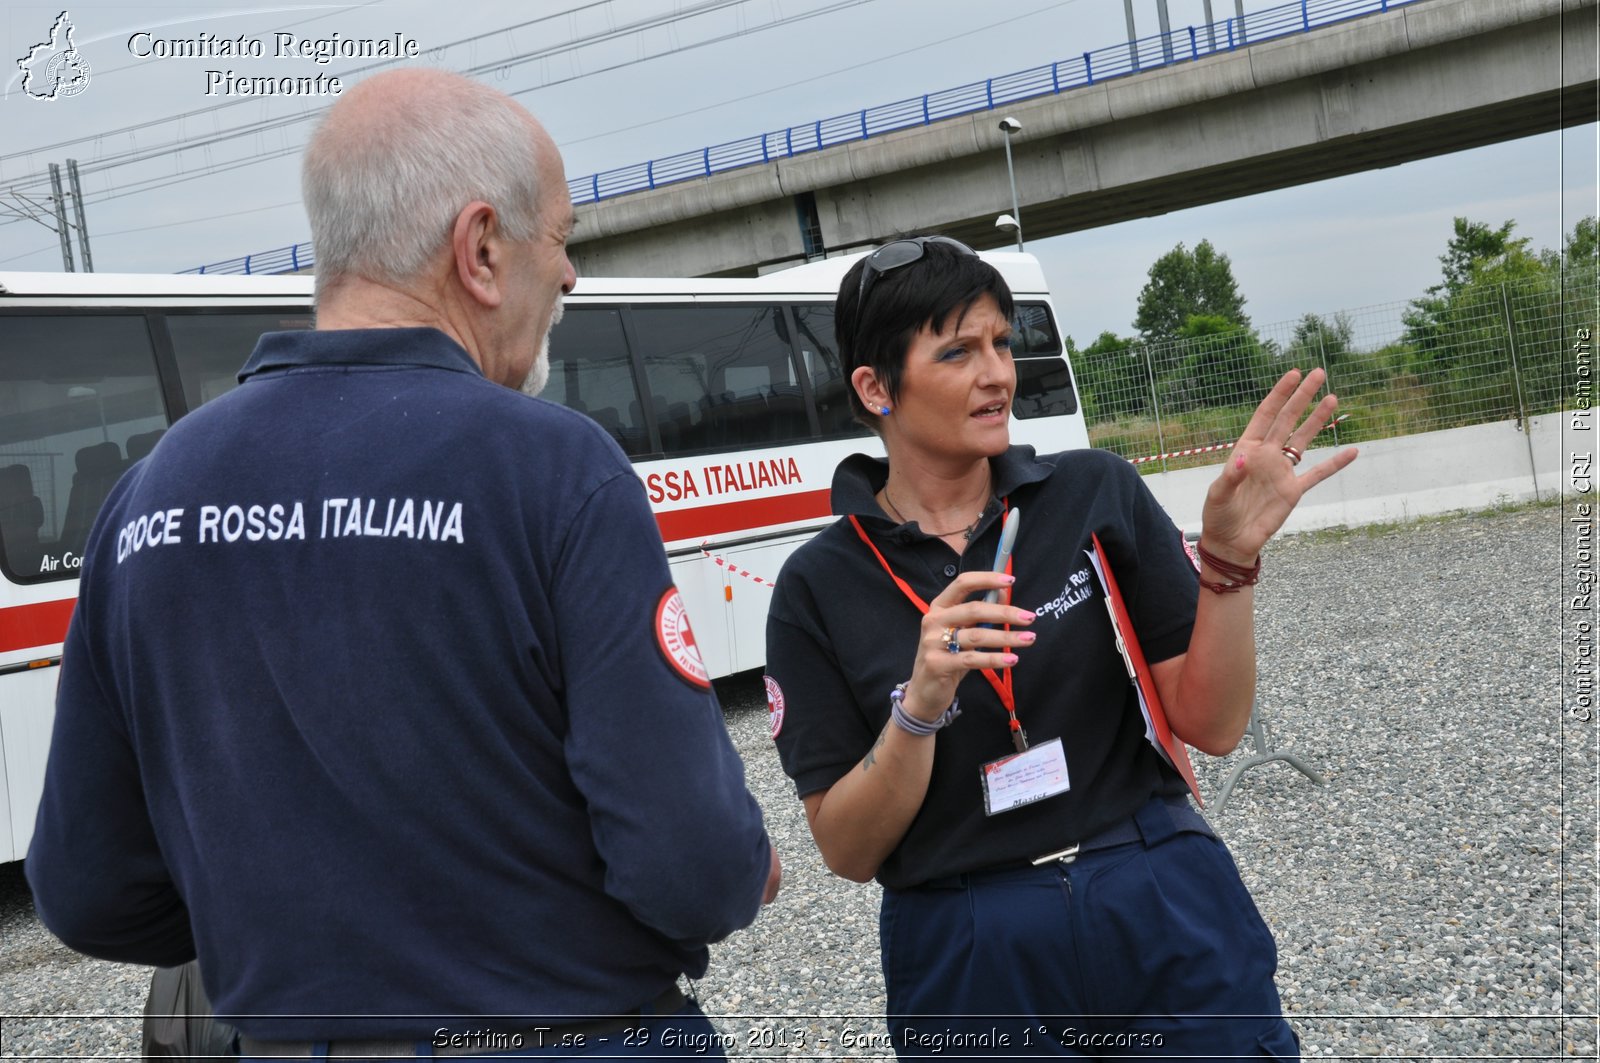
<point>891,256</point>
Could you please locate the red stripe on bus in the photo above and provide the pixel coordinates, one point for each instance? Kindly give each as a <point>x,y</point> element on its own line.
<point>703,522</point>
<point>44,624</point>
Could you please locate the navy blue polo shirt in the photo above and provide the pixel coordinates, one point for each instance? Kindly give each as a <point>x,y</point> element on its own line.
<point>833,655</point>
<point>364,700</point>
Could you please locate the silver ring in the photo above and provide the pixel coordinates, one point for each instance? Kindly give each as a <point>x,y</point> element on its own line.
<point>1293,453</point>
<point>951,639</point>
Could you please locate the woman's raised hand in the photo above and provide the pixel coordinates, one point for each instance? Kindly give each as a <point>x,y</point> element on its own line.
<point>1260,485</point>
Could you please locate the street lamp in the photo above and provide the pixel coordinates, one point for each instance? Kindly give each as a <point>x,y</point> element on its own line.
<point>1010,126</point>
<point>82,391</point>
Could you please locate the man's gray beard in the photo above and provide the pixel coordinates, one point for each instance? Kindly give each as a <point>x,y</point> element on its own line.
<point>539,375</point>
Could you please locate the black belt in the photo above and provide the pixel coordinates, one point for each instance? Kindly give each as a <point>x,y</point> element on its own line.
<point>1159,819</point>
<point>474,1044</point>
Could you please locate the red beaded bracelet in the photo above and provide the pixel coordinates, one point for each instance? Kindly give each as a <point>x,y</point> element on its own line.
<point>1238,576</point>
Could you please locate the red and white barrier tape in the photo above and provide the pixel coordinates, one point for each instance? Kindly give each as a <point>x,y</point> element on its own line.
<point>723,562</point>
<point>1214,446</point>
<point>1183,453</point>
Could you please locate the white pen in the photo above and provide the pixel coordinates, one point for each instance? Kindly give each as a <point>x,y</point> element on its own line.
<point>1002,553</point>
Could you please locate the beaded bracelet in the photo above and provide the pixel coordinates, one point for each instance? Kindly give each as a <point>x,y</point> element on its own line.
<point>908,722</point>
<point>1238,576</point>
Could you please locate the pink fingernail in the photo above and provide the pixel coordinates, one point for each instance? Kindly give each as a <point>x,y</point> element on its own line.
<point>1238,463</point>
<point>1009,658</point>
<point>1025,617</point>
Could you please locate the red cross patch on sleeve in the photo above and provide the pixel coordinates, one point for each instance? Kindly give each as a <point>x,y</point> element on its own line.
<point>774,705</point>
<point>676,641</point>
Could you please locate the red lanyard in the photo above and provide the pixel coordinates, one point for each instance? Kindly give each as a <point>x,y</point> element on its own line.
<point>1001,681</point>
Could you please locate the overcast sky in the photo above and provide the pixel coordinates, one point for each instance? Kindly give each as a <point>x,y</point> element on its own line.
<point>623,81</point>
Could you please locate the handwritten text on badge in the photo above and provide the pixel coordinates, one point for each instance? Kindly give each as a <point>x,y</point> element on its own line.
<point>1023,778</point>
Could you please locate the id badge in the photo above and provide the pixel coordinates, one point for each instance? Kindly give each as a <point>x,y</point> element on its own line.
<point>1023,778</point>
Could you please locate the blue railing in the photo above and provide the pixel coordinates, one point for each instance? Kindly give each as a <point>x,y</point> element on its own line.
<point>289,259</point>
<point>1118,60</point>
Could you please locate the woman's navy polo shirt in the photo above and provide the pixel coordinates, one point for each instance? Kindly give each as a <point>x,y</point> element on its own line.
<point>841,635</point>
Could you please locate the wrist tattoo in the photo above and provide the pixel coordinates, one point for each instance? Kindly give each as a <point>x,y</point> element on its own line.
<point>872,754</point>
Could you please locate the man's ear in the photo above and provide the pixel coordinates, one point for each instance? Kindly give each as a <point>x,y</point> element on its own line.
<point>476,247</point>
<point>869,389</point>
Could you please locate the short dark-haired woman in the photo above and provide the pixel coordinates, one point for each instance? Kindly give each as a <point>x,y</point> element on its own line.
<point>1048,887</point>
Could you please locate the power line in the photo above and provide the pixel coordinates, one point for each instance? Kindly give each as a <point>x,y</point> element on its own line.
<point>167,180</point>
<point>163,225</point>
<point>269,125</point>
<point>817,77</point>
<point>266,125</point>
<point>282,122</point>
<point>839,6</point>
<point>30,254</point>
<point>150,184</point>
<point>196,221</point>
<point>136,127</point>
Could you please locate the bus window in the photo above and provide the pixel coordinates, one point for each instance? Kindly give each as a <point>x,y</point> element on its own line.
<point>1044,386</point>
<point>723,377</point>
<point>821,356</point>
<point>1044,389</point>
<point>590,373</point>
<point>75,392</point>
<point>212,348</point>
<point>1032,332</point>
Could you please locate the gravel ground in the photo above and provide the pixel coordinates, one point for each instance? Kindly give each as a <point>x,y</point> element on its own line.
<point>1436,898</point>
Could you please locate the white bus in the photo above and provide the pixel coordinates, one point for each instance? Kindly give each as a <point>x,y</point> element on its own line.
<point>726,394</point>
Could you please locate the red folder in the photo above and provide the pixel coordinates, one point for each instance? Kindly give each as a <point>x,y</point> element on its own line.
<point>1160,735</point>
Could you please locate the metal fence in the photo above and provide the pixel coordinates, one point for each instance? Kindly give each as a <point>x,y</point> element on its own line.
<point>1182,45</point>
<point>1495,352</point>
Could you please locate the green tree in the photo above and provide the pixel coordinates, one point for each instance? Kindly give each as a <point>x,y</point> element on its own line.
<point>1474,242</point>
<point>1319,341</point>
<point>1473,245</point>
<point>1218,363</point>
<point>1112,375</point>
<point>1315,333</point>
<point>1184,284</point>
<point>1477,335</point>
<point>1423,320</point>
<point>1484,358</point>
<point>1583,243</point>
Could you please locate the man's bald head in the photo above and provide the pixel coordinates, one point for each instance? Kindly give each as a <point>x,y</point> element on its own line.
<point>400,154</point>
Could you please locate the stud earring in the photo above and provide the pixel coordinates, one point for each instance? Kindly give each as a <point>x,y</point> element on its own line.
<point>883,411</point>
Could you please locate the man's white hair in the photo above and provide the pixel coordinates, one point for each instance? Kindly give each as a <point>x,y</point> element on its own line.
<point>383,182</point>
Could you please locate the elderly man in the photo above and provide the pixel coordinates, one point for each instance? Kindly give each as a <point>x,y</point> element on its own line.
<point>384,724</point>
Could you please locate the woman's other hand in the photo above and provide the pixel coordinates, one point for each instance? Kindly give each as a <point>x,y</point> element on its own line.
<point>1260,484</point>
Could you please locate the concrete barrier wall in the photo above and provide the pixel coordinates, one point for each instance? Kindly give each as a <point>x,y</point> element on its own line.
<point>1398,479</point>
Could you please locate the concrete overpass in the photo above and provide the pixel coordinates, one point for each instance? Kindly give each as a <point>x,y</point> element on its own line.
<point>1427,79</point>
